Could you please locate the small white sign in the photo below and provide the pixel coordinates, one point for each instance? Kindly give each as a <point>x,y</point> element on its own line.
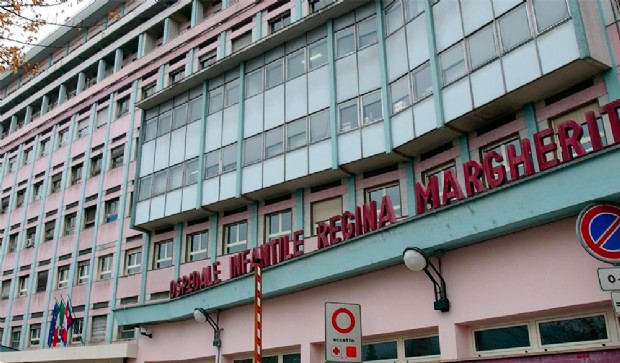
<point>609,278</point>
<point>343,333</point>
<point>615,301</point>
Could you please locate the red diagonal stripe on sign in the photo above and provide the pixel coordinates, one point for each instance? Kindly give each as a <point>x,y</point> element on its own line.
<point>614,226</point>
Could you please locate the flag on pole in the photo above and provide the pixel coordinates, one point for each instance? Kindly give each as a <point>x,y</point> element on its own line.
<point>51,332</point>
<point>55,338</point>
<point>69,313</point>
<point>61,322</point>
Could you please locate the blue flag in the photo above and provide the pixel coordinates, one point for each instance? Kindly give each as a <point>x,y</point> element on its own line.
<point>52,330</point>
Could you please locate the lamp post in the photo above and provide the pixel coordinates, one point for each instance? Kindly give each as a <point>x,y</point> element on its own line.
<point>416,260</point>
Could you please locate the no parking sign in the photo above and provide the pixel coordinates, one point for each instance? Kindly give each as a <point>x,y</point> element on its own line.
<point>598,229</point>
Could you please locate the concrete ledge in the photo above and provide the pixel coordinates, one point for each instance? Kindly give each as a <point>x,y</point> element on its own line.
<point>93,353</point>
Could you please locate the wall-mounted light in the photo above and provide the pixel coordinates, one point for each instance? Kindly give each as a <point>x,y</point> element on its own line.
<point>144,331</point>
<point>416,260</point>
<point>201,316</point>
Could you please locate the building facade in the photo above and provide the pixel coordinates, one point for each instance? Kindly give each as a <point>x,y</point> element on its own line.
<point>160,153</point>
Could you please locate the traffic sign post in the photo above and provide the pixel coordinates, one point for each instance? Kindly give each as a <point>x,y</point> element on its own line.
<point>343,333</point>
<point>598,229</point>
<point>615,301</point>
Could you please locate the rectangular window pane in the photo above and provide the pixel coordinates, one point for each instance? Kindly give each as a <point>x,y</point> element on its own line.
<point>372,110</point>
<point>319,126</point>
<point>274,142</point>
<point>347,115</point>
<point>229,158</point>
<point>164,123</point>
<point>252,150</point>
<point>452,64</point>
<point>379,351</point>
<point>399,92</point>
<point>296,134</point>
<point>232,92</point>
<point>150,130</point>
<point>367,32</point>
<point>502,338</point>
<point>216,97</point>
<point>549,12</point>
<point>180,116</point>
<point>195,109</point>
<point>145,188</point>
<point>422,82</point>
<point>573,330</point>
<point>421,347</point>
<point>212,164</point>
<point>175,177</point>
<point>191,172</point>
<point>159,183</point>
<point>514,28</point>
<point>274,73</point>
<point>413,8</point>
<point>393,17</point>
<point>481,47</point>
<point>318,54</point>
<point>254,83</point>
<point>345,42</point>
<point>296,64</point>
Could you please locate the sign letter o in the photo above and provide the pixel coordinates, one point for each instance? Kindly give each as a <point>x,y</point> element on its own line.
<point>338,328</point>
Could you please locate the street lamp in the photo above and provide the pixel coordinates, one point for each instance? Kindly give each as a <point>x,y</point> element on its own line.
<point>416,260</point>
<point>201,316</point>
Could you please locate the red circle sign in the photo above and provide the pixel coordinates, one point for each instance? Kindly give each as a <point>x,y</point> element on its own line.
<point>598,227</point>
<point>338,328</point>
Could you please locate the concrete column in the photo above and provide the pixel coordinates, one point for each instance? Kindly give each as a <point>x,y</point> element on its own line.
<point>197,13</point>
<point>101,70</point>
<point>118,60</point>
<point>13,124</point>
<point>171,30</point>
<point>28,115</point>
<point>62,94</point>
<point>45,104</point>
<point>1,129</point>
<point>189,66</point>
<point>81,83</point>
<point>454,342</point>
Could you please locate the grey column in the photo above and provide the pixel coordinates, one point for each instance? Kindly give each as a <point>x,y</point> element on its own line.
<point>118,60</point>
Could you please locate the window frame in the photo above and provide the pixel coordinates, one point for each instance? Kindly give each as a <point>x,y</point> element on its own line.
<point>281,232</point>
<point>226,244</point>
<point>62,277</point>
<point>104,267</point>
<point>34,341</point>
<point>83,266</point>
<point>383,188</point>
<point>137,263</point>
<point>161,262</point>
<point>190,253</point>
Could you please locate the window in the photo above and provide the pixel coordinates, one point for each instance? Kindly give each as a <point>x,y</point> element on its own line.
<point>380,351</point>
<point>117,156</point>
<point>296,134</point>
<point>6,289</point>
<point>82,128</point>
<point>278,225</point>
<point>347,115</point>
<point>393,17</point>
<point>514,28</point>
<point>274,142</point>
<point>164,123</point>
<point>274,73</point>
<point>439,173</point>
<point>372,110</point>
<point>345,42</point>
<point>177,76</point>
<point>4,205</point>
<point>150,130</point>
<point>76,333</point>
<point>28,156</point>
<point>76,174</point>
<point>105,267</point>
<point>133,261</point>
<point>232,93</point>
<point>422,347</point>
<point>122,106</point>
<point>23,286</point>
<point>481,47</point>
<point>12,164</point>
<point>49,231</point>
<point>35,335</point>
<point>145,188</point>
<point>399,91</point>
<point>12,243</point>
<point>159,183</point>
<point>44,148</point>
<point>37,192</point>
<point>502,338</point>
<point>229,158</point>
<point>197,245</point>
<point>19,198</point>
<point>236,236</point>
<point>191,172</point>
<point>70,224</point>
<point>212,164</point>
<point>83,272</point>
<point>56,183</point>
<point>323,210</point>
<point>452,64</point>
<point>392,191</point>
<point>126,332</point>
<point>501,148</point>
<point>95,165</point>
<point>578,115</point>
<point>175,177</point>
<point>413,8</point>
<point>111,210</point>
<point>97,333</point>
<point>296,64</point>
<point>317,54</point>
<point>576,330</point>
<point>208,59</point>
<point>63,277</point>
<point>216,99</point>
<point>42,281</point>
<point>253,83</point>
<point>102,117</point>
<point>317,5</point>
<point>90,215</point>
<point>149,90</point>
<point>252,150</point>
<point>422,82</point>
<point>367,32</point>
<point>242,41</point>
<point>16,333</point>
<point>30,235</point>
<point>280,22</point>
<point>163,254</point>
<point>549,13</point>
<point>63,137</point>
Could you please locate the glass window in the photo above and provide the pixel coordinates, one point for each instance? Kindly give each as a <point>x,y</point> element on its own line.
<point>319,126</point>
<point>16,333</point>
<point>296,64</point>
<point>514,28</point>
<point>82,129</point>
<point>549,13</point>
<point>413,8</point>
<point>392,191</point>
<point>242,41</point>
<point>278,225</point>
<point>159,183</point>
<point>111,210</point>
<point>145,188</point>
<point>197,245</point>
<point>216,98</point>
<point>254,83</point>
<point>291,358</point>
<point>274,142</point>
<point>420,347</point>
<point>191,172</point>
<point>117,156</point>
<point>296,134</point>
<point>324,209</point>
<point>252,150</point>
<point>576,330</point>
<point>42,280</point>
<point>393,17</point>
<point>229,158</point>
<point>69,224</point>
<point>180,116</point>
<point>422,82</point>
<point>236,237</point>
<point>23,286</point>
<point>502,338</point>
<point>208,59</point>
<point>212,164</point>
<point>280,22</point>
<point>175,177</point>
<point>274,73</point>
<point>195,109</point>
<point>35,335</point>
<point>367,32</point>
<point>232,92</point>
<point>150,130</point>
<point>83,272</point>
<point>347,115</point>
<point>105,267</point>
<point>345,42</point>
<point>481,47</point>
<point>318,54</point>
<point>163,254</point>
<point>133,261</point>
<point>501,148</point>
<point>399,91</point>
<point>63,277</point>
<point>372,110</point>
<point>98,328</point>
<point>164,123</point>
<point>379,351</point>
<point>63,137</point>
<point>452,64</point>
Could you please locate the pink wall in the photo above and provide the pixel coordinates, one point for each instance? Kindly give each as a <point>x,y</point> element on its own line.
<point>529,274</point>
